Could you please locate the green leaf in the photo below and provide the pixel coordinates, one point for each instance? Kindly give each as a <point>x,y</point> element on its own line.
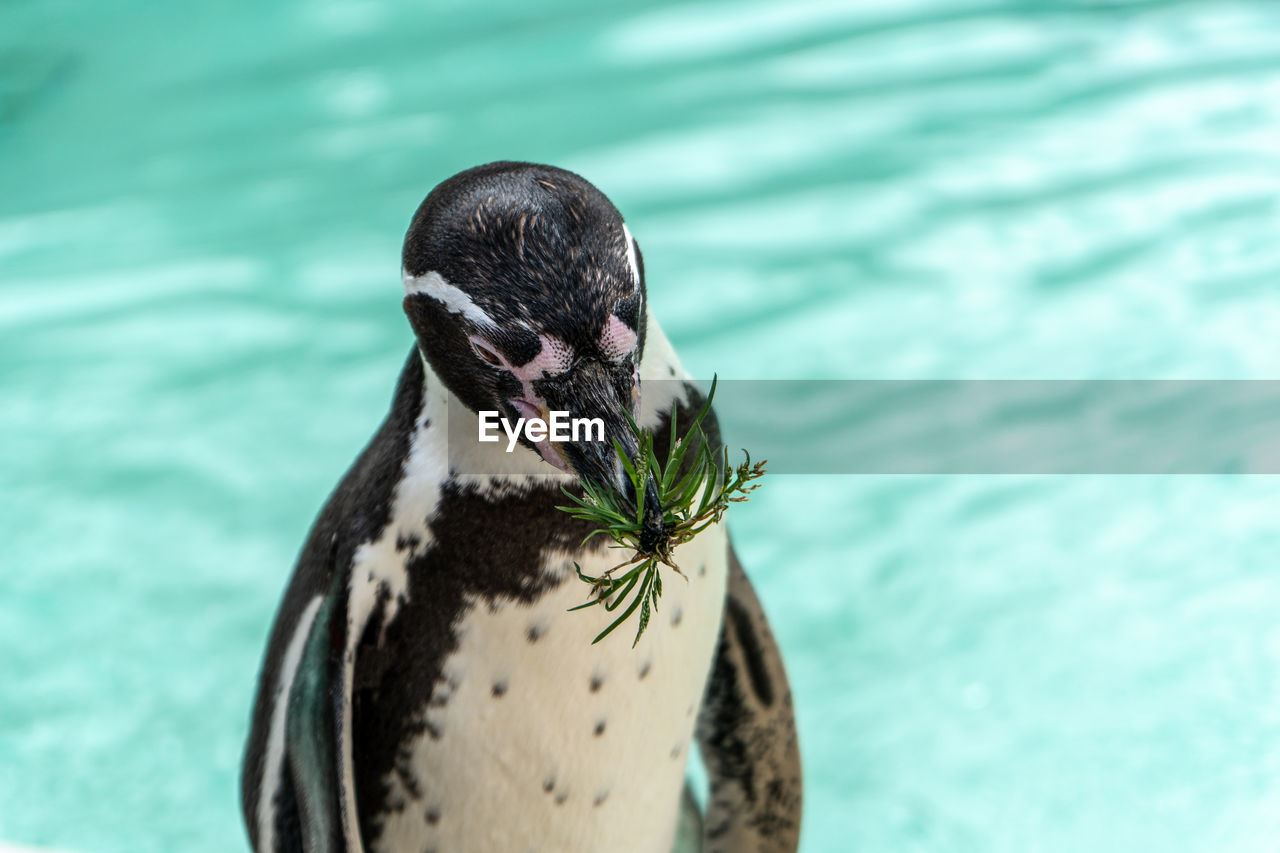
<point>616,622</point>
<point>626,463</point>
<point>706,407</point>
<point>622,595</point>
<point>644,621</point>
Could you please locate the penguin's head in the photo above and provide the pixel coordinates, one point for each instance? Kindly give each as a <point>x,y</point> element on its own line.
<point>526,293</point>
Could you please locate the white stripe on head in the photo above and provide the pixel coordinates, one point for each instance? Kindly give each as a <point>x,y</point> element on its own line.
<point>454,299</point>
<point>631,253</point>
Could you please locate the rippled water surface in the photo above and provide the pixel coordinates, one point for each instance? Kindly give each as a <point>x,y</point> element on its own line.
<point>201,206</point>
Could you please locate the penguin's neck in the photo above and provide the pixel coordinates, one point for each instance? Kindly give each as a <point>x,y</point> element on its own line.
<point>661,380</point>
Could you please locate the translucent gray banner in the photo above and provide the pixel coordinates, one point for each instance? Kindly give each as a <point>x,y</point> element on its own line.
<point>997,427</point>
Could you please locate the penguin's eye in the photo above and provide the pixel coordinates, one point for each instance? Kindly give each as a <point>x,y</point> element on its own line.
<point>487,355</point>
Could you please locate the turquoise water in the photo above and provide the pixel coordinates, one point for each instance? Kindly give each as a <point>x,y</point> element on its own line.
<point>201,206</point>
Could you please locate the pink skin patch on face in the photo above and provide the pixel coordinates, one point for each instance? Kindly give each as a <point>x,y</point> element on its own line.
<point>554,358</point>
<point>617,339</point>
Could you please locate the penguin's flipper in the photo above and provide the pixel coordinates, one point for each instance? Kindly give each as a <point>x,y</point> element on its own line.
<point>747,732</point>
<point>318,705</point>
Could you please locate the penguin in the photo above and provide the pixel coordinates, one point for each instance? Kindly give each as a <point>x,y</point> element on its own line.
<point>425,686</point>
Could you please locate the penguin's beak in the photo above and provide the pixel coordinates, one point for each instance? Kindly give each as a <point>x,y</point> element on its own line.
<point>592,391</point>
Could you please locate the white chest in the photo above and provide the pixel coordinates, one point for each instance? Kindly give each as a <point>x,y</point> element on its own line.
<point>539,741</point>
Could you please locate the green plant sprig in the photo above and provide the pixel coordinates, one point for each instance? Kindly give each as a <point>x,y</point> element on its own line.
<point>691,502</point>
